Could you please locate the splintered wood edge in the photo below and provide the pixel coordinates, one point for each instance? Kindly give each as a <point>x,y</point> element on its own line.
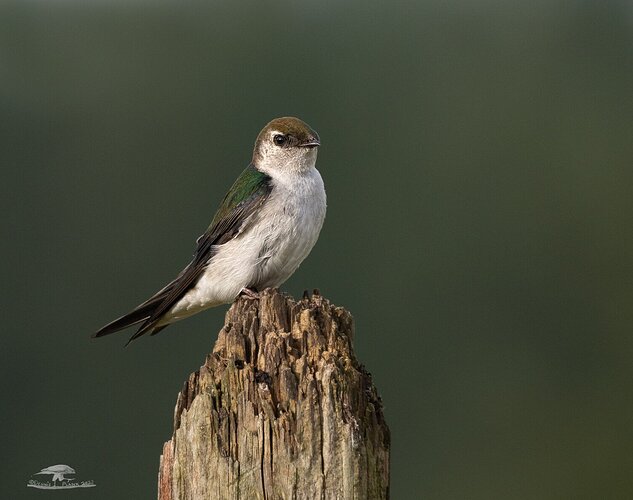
<point>309,330</point>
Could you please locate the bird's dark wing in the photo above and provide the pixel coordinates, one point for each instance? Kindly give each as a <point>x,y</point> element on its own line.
<point>246,196</point>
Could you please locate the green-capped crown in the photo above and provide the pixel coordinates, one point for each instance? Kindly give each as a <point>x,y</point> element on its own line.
<point>292,132</point>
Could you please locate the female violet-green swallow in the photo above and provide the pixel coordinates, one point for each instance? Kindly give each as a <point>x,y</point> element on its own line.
<point>266,225</point>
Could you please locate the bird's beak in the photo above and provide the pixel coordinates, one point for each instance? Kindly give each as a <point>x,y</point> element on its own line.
<point>312,142</point>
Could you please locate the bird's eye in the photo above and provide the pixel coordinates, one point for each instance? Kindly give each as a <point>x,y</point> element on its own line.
<point>280,140</point>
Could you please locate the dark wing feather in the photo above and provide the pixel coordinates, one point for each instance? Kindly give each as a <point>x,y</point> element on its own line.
<point>245,197</point>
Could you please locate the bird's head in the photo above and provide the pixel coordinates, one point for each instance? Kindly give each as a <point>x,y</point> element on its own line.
<point>286,144</point>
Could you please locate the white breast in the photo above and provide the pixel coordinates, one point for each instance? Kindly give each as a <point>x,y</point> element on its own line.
<point>269,249</point>
<point>290,225</point>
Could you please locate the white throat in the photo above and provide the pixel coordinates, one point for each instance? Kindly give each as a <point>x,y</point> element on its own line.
<point>279,162</point>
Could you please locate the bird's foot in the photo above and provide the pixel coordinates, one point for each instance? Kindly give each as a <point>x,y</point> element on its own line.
<point>249,293</point>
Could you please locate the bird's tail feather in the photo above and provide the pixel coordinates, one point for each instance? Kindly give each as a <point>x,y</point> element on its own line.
<point>141,313</point>
<point>148,313</point>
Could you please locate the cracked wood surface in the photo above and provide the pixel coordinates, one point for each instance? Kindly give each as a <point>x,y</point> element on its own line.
<point>281,409</point>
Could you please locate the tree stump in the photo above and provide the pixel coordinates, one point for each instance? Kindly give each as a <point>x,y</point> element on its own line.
<point>281,409</point>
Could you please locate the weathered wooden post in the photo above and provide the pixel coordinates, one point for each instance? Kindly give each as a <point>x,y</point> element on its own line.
<point>281,409</point>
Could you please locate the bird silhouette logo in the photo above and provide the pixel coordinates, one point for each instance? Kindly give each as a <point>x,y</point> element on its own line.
<point>57,472</point>
<point>58,479</point>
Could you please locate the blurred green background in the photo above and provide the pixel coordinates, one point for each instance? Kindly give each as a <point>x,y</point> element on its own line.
<point>478,163</point>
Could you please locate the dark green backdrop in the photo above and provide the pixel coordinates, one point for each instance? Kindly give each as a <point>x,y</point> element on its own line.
<point>478,162</point>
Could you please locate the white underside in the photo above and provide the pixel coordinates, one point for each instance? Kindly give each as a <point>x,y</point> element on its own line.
<point>271,246</point>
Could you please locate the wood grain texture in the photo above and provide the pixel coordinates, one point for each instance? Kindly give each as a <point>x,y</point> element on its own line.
<point>281,409</point>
